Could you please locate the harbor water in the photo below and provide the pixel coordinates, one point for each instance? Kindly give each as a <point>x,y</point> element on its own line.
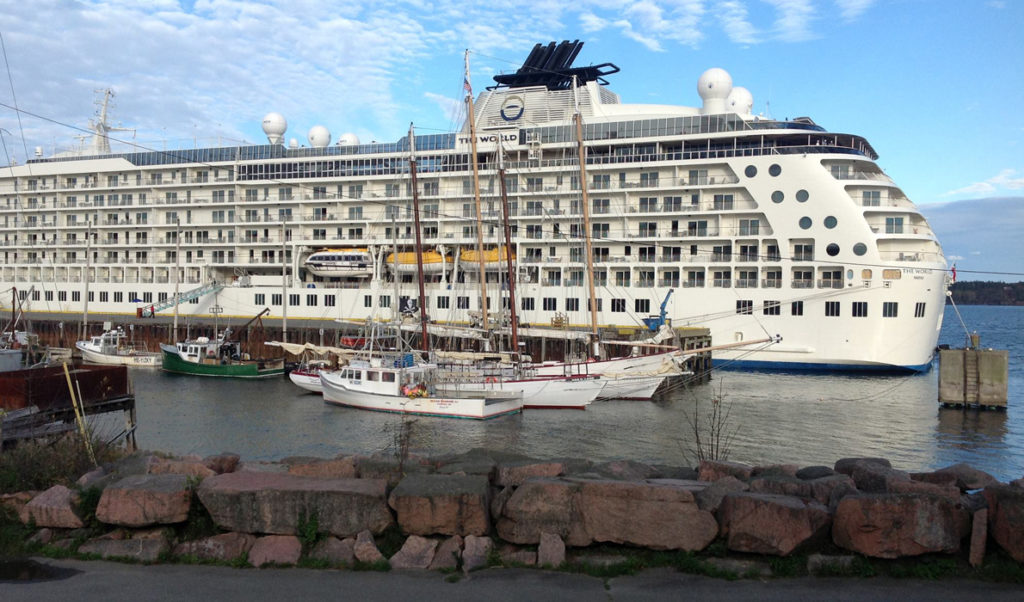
<point>800,418</point>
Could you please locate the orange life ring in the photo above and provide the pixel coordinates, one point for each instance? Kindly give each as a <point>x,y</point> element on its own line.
<point>490,380</point>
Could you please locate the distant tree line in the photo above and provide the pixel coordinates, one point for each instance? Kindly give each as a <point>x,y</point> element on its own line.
<point>988,293</point>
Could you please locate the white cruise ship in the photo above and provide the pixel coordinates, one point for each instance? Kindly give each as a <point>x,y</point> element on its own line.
<point>761,227</point>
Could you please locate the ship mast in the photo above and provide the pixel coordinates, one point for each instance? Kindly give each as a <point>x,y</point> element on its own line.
<point>476,196</point>
<point>419,242</point>
<point>514,325</point>
<point>581,155</point>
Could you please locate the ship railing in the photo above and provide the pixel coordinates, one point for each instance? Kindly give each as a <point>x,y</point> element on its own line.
<point>802,283</point>
<point>771,283</point>
<point>722,283</point>
<point>830,283</point>
<point>746,283</point>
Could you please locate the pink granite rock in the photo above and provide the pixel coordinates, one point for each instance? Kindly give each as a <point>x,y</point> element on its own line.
<point>336,468</point>
<point>222,463</point>
<point>275,549</point>
<point>143,500</point>
<point>712,470</point>
<point>894,525</point>
<point>182,467</point>
<point>54,507</point>
<point>513,474</point>
<point>365,550</point>
<point>144,546</point>
<point>476,552</point>
<point>448,555</point>
<point>949,491</point>
<point>335,551</point>
<point>979,538</point>
<point>1006,518</point>
<point>763,523</point>
<point>275,503</point>
<point>968,477</point>
<point>224,547</point>
<point>416,553</point>
<point>551,551</point>
<point>428,504</point>
<point>656,515</point>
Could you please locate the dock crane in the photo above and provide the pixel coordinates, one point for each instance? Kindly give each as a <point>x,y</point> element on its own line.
<point>654,323</point>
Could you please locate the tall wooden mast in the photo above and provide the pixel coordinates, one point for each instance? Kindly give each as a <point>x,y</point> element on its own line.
<point>419,242</point>
<point>470,114</point>
<point>581,152</point>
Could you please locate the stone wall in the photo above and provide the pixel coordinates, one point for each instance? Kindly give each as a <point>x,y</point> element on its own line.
<point>457,512</point>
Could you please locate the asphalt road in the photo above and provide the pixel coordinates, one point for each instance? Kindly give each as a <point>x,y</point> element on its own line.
<point>106,581</point>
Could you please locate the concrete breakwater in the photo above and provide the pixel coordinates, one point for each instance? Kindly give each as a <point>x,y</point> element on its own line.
<point>461,511</point>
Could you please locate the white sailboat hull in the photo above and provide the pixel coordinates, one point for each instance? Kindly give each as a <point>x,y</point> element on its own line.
<point>477,407</point>
<point>141,359</point>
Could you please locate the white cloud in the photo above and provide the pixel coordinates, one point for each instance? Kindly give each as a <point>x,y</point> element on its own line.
<point>1006,179</point>
<point>453,108</point>
<point>851,9</point>
<point>955,257</point>
<point>733,17</point>
<point>794,20</point>
<point>591,22</point>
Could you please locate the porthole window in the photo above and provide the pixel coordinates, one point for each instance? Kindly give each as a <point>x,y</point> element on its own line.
<point>830,222</point>
<point>750,171</point>
<point>777,196</point>
<point>849,274</point>
<point>860,248</point>
<point>775,169</point>
<point>805,222</point>
<point>832,249</point>
<point>801,196</point>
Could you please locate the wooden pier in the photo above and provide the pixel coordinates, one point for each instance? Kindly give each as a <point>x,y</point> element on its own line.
<point>38,402</point>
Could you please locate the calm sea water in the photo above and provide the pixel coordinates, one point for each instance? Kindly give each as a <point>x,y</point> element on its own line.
<point>779,418</point>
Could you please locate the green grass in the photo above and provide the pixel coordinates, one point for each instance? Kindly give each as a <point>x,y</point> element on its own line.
<point>39,465</point>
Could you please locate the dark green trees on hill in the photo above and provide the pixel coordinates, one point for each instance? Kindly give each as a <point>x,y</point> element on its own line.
<point>988,293</point>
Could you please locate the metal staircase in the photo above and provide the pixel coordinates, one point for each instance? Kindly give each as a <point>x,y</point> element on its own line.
<point>148,310</point>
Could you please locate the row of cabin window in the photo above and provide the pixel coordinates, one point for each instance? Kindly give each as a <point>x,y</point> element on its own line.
<point>858,309</point>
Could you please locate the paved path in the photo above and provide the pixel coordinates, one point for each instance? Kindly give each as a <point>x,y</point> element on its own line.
<point>107,581</point>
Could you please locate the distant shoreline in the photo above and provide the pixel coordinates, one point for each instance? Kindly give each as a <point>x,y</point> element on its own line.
<point>987,293</point>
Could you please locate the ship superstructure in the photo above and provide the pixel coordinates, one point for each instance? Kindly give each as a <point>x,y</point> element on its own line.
<point>761,227</point>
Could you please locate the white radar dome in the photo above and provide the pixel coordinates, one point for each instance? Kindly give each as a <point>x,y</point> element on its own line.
<point>319,136</point>
<point>293,143</point>
<point>274,126</point>
<point>714,87</point>
<point>740,100</point>
<point>348,139</point>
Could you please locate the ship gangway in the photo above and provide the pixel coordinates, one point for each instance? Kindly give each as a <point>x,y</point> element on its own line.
<point>149,311</point>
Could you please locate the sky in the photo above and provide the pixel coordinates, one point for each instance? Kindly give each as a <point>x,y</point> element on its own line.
<point>934,85</point>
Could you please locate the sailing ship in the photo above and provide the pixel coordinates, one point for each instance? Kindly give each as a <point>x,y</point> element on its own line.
<point>406,386</point>
<point>761,225</point>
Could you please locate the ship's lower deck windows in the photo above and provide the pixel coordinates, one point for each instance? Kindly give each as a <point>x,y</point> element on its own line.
<point>293,300</point>
<point>772,308</point>
<point>744,306</point>
<point>260,299</point>
<point>572,304</point>
<point>550,304</point>
<point>860,309</point>
<point>618,306</point>
<point>832,309</point>
<point>528,304</point>
<point>890,309</point>
<point>275,299</point>
<point>797,308</point>
<point>919,310</point>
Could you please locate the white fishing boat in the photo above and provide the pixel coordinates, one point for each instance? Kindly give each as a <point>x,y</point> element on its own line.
<point>408,387</point>
<point>307,374</point>
<point>113,348</point>
<point>632,377</point>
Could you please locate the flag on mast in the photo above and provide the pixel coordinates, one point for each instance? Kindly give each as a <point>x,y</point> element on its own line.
<point>954,273</point>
